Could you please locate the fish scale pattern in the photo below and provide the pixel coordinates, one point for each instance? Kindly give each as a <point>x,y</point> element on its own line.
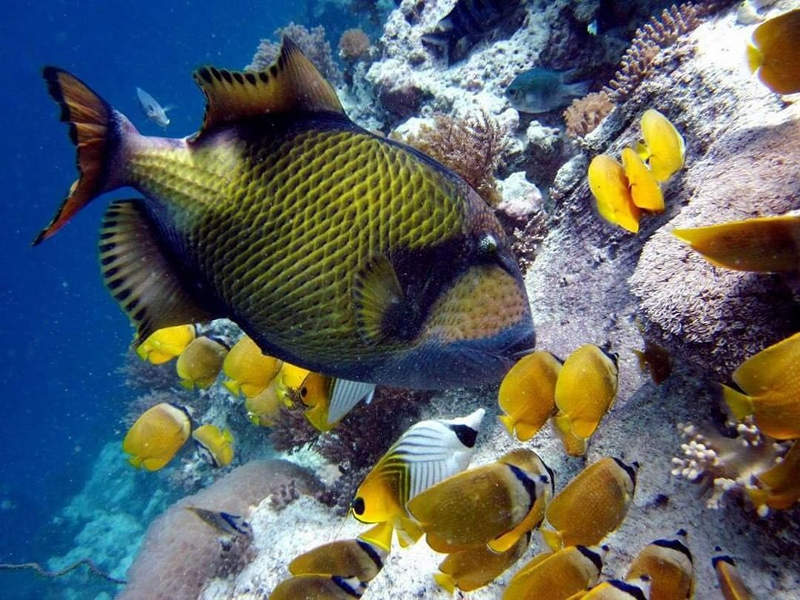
<point>280,227</point>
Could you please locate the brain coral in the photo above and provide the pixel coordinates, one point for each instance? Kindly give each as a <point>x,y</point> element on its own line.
<point>180,552</point>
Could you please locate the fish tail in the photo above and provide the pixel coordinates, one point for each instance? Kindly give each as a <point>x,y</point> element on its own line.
<point>446,582</point>
<point>97,131</point>
<point>552,539</point>
<point>741,405</point>
<point>508,422</point>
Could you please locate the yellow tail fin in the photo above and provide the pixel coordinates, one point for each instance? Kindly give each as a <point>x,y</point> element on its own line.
<point>508,423</point>
<point>552,539</point>
<point>96,130</point>
<point>446,581</point>
<point>741,405</point>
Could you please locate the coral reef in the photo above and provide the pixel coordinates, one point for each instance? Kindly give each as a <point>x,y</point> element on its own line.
<point>312,42</point>
<point>471,146</point>
<point>353,45</point>
<point>181,552</point>
<point>584,114</point>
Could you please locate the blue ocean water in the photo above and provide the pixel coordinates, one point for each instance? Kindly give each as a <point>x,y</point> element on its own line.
<point>63,336</point>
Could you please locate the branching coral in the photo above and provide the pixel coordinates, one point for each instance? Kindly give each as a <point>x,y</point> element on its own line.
<point>649,40</point>
<point>726,463</point>
<point>584,114</point>
<point>470,146</point>
<point>313,44</point>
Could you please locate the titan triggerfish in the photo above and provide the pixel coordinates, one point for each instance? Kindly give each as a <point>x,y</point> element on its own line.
<point>333,248</point>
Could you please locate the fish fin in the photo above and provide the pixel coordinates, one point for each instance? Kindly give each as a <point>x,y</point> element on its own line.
<point>376,295</point>
<point>408,532</point>
<point>345,395</point>
<point>741,405</point>
<point>291,84</point>
<point>755,58</point>
<point>380,535</point>
<point>578,89</point>
<point>95,129</point>
<point>446,582</point>
<point>233,386</point>
<point>505,542</point>
<point>553,539</point>
<point>138,274</point>
<point>508,423</point>
<point>526,431</point>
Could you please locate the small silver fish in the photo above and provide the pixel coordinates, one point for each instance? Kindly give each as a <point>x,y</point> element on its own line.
<point>541,90</point>
<point>152,109</point>
<point>225,523</point>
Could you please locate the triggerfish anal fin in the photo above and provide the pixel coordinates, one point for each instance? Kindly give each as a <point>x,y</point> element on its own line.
<point>94,129</point>
<point>377,299</point>
<point>139,275</point>
<point>293,83</point>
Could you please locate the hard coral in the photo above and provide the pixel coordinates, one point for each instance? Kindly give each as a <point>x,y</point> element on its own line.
<point>313,44</point>
<point>181,552</point>
<point>584,114</point>
<point>470,146</point>
<point>354,45</point>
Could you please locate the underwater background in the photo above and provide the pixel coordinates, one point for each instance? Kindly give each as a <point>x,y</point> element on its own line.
<point>66,489</point>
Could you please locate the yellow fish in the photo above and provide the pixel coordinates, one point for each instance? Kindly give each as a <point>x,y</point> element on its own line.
<point>771,384</point>
<point>527,394</point>
<point>730,582</point>
<point>330,399</point>
<point>764,244</point>
<point>493,505</point>
<point>292,376</point>
<point>471,569</point>
<point>200,363</point>
<point>263,408</point>
<point>249,371</point>
<point>592,505</point>
<point>156,436</point>
<point>645,191</point>
<point>616,589</point>
<point>773,53</point>
<point>426,453</point>
<point>556,575</point>
<point>215,446</point>
<point>334,248</point>
<point>669,565</point>
<point>165,344</point>
<point>318,587</point>
<point>361,558</point>
<point>664,147</point>
<point>585,390</point>
<point>778,487</point>
<point>609,185</point>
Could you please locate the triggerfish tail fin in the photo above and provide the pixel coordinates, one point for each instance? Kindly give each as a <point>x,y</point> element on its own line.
<point>96,129</point>
<point>138,274</point>
<point>741,405</point>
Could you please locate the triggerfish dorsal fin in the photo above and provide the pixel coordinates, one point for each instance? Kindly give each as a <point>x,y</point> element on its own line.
<point>139,275</point>
<point>292,83</point>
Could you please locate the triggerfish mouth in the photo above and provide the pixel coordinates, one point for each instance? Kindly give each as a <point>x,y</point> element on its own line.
<point>333,248</point>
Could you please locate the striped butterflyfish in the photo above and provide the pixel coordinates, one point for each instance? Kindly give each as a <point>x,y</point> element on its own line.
<point>335,249</point>
<point>426,453</point>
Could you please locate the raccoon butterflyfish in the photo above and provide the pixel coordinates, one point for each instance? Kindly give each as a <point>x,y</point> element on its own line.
<point>166,343</point>
<point>214,445</point>
<point>778,487</point>
<point>336,249</point>
<point>764,244</point>
<point>584,392</point>
<point>156,436</point>
<point>249,371</point>
<point>730,582</point>
<point>592,505</point>
<point>200,363</point>
<point>773,53</point>
<point>663,147</point>
<point>318,587</point>
<point>770,381</point>
<point>527,394</point>
<point>426,453</point>
<point>224,523</point>
<point>361,558</point>
<point>669,565</point>
<point>645,191</point>
<point>556,575</point>
<point>492,505</point>
<point>263,408</point>
<point>616,589</point>
<point>609,186</point>
<point>329,399</point>
<point>474,568</point>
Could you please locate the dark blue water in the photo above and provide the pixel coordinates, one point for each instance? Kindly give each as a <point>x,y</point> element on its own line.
<point>62,336</point>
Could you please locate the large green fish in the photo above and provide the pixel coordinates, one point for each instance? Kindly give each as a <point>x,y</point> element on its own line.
<point>333,248</point>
